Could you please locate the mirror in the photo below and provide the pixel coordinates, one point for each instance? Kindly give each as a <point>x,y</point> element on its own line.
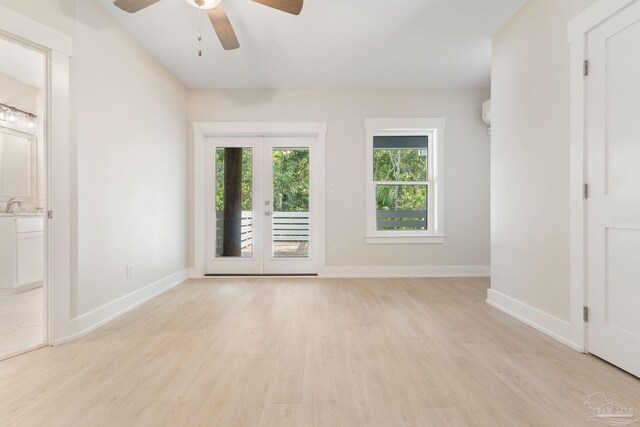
<point>17,160</point>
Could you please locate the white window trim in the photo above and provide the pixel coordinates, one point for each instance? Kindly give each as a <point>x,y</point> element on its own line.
<point>434,127</point>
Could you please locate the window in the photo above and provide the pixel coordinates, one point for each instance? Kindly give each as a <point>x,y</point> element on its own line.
<point>404,180</point>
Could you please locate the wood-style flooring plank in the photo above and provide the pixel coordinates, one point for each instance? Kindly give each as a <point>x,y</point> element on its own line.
<point>310,352</point>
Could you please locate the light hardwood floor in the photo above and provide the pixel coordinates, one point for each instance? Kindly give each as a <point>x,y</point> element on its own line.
<point>310,352</point>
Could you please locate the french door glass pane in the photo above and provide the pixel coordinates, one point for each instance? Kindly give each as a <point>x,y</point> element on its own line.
<point>401,207</point>
<point>234,222</point>
<point>290,218</point>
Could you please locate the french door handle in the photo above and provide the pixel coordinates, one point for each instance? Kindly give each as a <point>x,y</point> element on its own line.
<point>268,212</point>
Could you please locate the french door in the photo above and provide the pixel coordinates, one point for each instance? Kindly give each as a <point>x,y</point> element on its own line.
<point>614,176</point>
<point>262,213</point>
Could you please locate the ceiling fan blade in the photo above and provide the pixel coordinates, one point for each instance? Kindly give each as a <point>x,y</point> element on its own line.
<point>223,28</point>
<point>293,7</point>
<point>133,6</point>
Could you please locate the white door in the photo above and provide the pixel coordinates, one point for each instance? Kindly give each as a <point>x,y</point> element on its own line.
<point>614,204</point>
<point>276,224</point>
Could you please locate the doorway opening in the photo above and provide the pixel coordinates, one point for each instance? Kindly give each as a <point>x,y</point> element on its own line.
<point>261,219</point>
<point>23,188</point>
<point>259,198</point>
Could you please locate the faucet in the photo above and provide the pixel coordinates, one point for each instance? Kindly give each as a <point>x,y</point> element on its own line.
<point>11,203</point>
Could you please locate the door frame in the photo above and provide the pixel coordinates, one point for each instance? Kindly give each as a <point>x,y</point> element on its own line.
<point>578,32</point>
<point>57,48</point>
<point>204,130</point>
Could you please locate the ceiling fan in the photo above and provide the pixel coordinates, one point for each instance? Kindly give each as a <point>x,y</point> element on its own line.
<point>217,15</point>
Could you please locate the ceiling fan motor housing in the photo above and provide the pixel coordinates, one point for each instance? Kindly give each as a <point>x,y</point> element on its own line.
<point>204,4</point>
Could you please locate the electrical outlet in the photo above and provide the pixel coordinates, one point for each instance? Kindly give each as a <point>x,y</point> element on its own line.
<point>336,251</point>
<point>332,189</point>
<point>129,271</point>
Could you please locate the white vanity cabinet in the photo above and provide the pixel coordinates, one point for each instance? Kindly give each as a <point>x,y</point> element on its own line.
<point>21,253</point>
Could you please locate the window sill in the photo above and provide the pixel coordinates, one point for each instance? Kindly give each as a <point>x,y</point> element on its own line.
<point>394,239</point>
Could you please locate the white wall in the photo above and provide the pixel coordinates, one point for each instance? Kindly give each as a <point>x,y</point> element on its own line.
<point>19,94</point>
<point>530,156</point>
<point>57,14</point>
<point>129,136</point>
<point>466,163</point>
<point>131,123</point>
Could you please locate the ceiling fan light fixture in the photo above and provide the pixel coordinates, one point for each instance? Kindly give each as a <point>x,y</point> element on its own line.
<point>217,15</point>
<point>204,4</point>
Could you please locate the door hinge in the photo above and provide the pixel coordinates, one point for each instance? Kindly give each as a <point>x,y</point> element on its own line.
<point>586,191</point>
<point>585,314</point>
<point>585,67</point>
<point>50,214</point>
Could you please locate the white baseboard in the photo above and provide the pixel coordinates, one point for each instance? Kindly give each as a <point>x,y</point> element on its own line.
<point>194,273</point>
<point>556,328</point>
<point>409,271</point>
<point>92,320</point>
<point>5,292</point>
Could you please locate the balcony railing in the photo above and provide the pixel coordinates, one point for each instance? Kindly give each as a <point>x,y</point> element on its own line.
<point>287,227</point>
<point>246,233</point>
<point>294,226</point>
<point>401,220</point>
<point>291,226</point>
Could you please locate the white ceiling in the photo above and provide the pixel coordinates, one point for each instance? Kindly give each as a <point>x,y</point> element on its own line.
<point>333,43</point>
<point>21,63</point>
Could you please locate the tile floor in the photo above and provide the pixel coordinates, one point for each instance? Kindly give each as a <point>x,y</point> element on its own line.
<point>21,321</point>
